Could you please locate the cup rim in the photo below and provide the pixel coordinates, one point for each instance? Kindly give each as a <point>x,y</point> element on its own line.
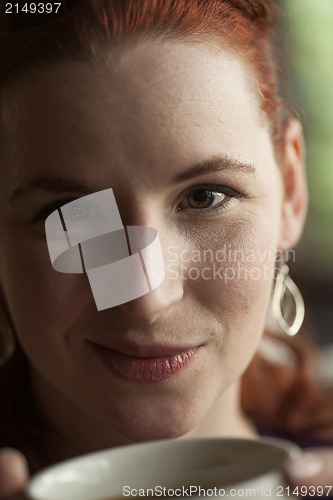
<point>285,450</point>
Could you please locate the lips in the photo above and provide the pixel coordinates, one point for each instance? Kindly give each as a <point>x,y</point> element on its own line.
<point>144,364</point>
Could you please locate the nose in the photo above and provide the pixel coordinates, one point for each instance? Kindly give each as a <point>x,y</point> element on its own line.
<point>135,277</point>
<point>155,304</point>
<point>160,300</point>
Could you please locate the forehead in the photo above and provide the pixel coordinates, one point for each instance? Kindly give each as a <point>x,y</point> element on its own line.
<point>140,99</point>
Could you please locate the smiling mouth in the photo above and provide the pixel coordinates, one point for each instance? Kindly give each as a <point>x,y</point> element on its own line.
<point>153,367</point>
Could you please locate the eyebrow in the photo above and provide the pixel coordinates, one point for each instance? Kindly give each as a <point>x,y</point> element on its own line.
<point>51,184</point>
<point>215,165</point>
<point>60,185</point>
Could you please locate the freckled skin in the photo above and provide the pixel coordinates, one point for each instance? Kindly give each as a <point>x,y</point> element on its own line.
<point>133,126</point>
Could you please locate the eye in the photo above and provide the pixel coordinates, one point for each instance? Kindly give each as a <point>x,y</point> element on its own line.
<point>51,207</point>
<point>77,212</point>
<point>73,213</point>
<point>205,197</point>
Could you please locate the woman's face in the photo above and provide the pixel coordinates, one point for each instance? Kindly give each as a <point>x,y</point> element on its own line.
<point>177,132</point>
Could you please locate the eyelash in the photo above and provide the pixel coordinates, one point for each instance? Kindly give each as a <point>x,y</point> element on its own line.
<point>51,207</point>
<point>211,188</point>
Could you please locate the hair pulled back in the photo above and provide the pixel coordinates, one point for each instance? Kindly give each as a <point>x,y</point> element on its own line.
<point>245,26</point>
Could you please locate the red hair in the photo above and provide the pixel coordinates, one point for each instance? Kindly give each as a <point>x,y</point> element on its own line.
<point>285,394</point>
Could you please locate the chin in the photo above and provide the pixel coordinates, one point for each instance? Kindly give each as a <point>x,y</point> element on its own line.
<point>148,432</point>
<point>153,423</point>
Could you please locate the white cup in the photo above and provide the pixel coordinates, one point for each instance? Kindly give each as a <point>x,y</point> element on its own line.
<point>194,468</point>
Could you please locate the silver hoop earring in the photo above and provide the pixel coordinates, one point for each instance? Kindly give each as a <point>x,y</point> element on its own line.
<point>287,304</point>
<point>7,342</point>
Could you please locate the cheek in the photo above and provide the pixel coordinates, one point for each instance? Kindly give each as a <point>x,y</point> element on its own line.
<point>229,272</point>
<point>42,302</point>
<point>245,277</point>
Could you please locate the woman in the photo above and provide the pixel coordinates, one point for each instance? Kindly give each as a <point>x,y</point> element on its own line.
<point>174,106</point>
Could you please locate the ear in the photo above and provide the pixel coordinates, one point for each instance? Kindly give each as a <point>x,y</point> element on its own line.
<point>294,206</point>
